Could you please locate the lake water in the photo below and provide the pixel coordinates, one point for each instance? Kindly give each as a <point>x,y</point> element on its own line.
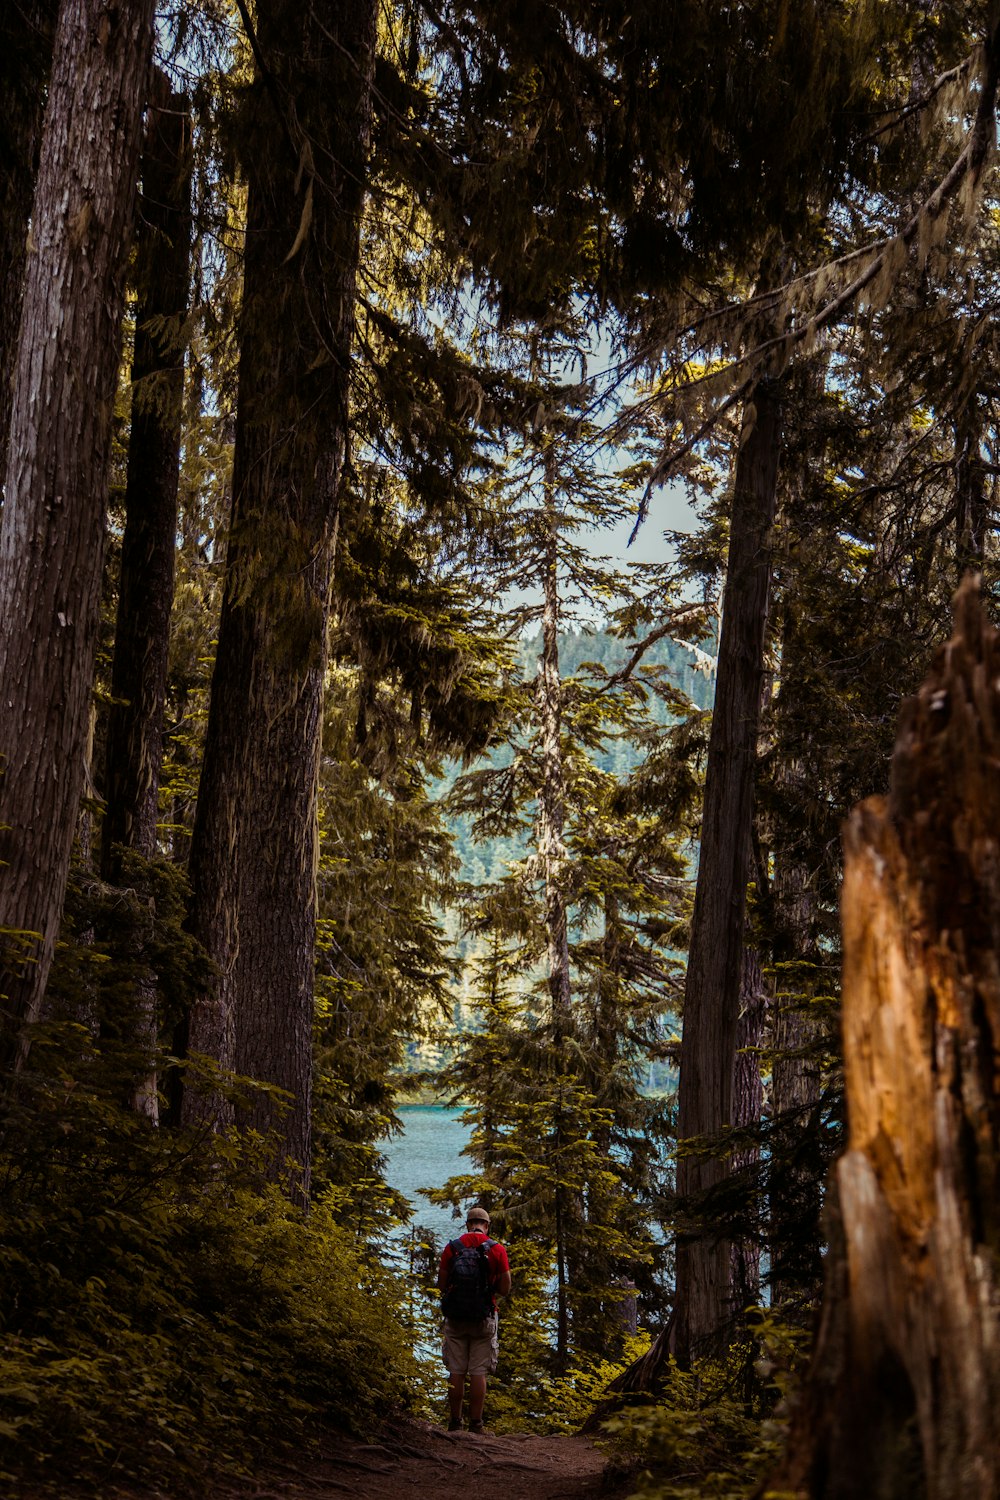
<point>428,1152</point>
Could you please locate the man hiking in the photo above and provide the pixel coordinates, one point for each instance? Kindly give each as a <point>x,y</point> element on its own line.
<point>472,1274</point>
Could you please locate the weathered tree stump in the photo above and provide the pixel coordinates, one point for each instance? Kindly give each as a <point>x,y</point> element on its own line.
<point>904,1392</point>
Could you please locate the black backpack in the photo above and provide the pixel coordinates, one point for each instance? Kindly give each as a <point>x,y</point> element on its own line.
<point>468,1298</point>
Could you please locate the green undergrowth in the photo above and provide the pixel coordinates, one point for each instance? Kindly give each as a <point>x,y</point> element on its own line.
<point>531,1392</point>
<point>716,1431</point>
<point>164,1310</point>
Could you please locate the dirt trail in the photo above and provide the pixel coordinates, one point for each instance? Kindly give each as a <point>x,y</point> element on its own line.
<point>421,1462</point>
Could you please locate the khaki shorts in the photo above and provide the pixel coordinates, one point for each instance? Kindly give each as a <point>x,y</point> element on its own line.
<point>471,1348</point>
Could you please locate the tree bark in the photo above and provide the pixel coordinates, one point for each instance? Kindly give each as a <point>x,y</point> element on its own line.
<point>795,1186</point>
<point>712,990</point>
<point>52,532</point>
<point>146,582</point>
<point>254,848</point>
<point>134,744</point>
<point>971,503</point>
<point>905,1382</point>
<point>748,1102</point>
<point>26,33</point>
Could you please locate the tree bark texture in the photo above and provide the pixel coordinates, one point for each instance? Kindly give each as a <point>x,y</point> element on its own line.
<point>146,582</point>
<point>905,1383</point>
<point>715,959</point>
<point>26,33</point>
<point>748,1103</point>
<point>254,848</point>
<point>134,741</point>
<point>52,531</point>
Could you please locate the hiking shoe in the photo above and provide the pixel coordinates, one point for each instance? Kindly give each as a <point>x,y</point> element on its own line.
<point>476,1427</point>
<point>456,1426</point>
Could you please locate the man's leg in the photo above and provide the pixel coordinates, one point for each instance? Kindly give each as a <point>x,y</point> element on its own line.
<point>477,1397</point>
<point>456,1391</point>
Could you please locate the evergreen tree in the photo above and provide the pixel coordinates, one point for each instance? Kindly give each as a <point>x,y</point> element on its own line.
<point>253,897</point>
<point>563,1143</point>
<point>51,537</point>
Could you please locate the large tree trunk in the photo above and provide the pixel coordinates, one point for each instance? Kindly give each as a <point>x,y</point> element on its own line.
<point>715,959</point>
<point>26,32</point>
<point>146,582</point>
<point>254,848</point>
<point>52,533</point>
<point>795,1184</point>
<point>134,747</point>
<point>905,1383</point>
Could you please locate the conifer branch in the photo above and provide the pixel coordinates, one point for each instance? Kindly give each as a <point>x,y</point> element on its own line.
<point>661,632</point>
<point>966,169</point>
<point>927,97</point>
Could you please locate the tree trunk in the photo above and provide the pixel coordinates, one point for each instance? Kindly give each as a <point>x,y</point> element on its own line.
<point>712,991</point>
<point>552,794</point>
<point>795,1187</point>
<point>903,1391</point>
<point>134,747</point>
<point>146,582</point>
<point>52,532</point>
<point>795,1184</point>
<point>26,32</point>
<point>971,504</point>
<point>552,853</point>
<point>748,1101</point>
<point>254,848</point>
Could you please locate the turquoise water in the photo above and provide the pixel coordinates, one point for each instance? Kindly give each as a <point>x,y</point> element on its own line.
<point>428,1152</point>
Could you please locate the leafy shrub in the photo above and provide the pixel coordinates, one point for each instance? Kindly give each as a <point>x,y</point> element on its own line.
<point>705,1436</point>
<point>163,1308</point>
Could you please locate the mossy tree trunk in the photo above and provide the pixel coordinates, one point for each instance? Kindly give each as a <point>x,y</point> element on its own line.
<point>905,1383</point>
<point>52,530</point>
<point>254,849</point>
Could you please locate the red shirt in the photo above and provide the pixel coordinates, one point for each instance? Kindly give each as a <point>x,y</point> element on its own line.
<point>496,1258</point>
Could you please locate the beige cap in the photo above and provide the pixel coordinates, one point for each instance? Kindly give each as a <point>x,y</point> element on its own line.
<point>477,1215</point>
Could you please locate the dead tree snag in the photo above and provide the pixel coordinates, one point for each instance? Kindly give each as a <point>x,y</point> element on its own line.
<point>903,1393</point>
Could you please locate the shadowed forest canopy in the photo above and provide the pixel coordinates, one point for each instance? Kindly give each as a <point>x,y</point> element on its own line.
<point>480,486</point>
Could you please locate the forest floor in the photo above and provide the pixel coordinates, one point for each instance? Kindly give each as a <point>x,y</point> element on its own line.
<point>419,1461</point>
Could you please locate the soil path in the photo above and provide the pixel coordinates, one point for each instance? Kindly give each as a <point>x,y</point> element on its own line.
<point>421,1462</point>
